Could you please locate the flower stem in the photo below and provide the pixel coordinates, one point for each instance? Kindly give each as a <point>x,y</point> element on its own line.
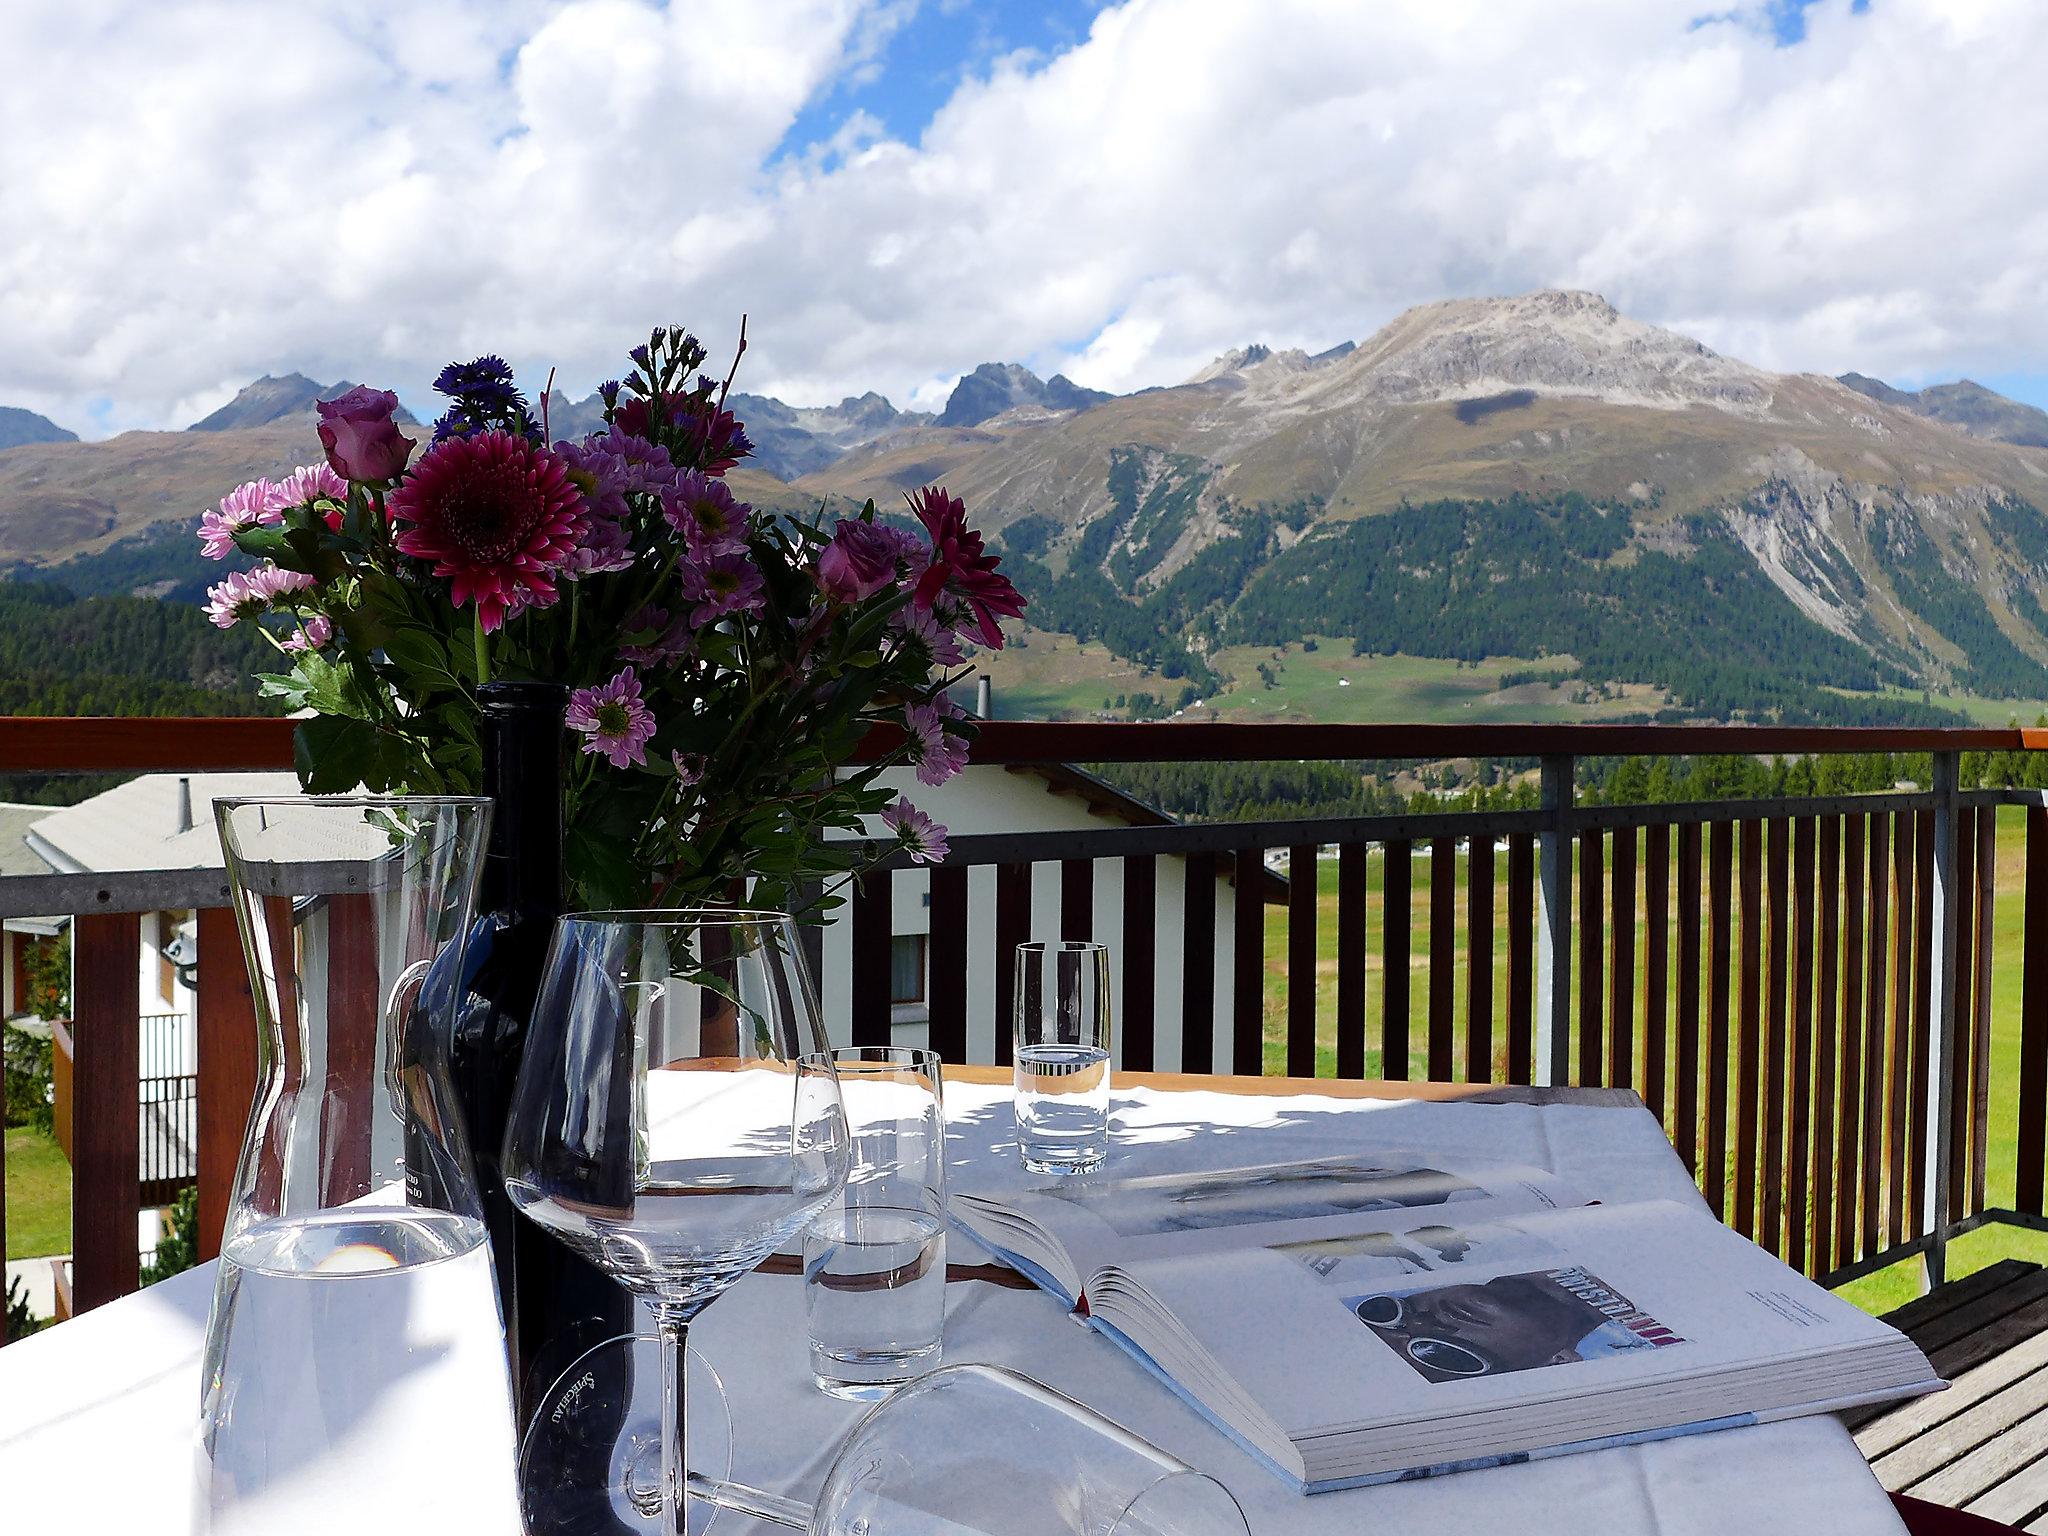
<point>483,651</point>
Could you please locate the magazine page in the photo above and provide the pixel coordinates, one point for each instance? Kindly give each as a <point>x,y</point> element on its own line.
<point>1399,1324</point>
<point>1079,1227</point>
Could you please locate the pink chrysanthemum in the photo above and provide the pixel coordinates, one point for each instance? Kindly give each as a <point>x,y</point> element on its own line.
<point>247,506</point>
<point>613,720</point>
<point>671,642</point>
<point>703,511</point>
<point>935,753</point>
<point>689,768</point>
<point>309,482</point>
<point>603,544</point>
<point>311,635</point>
<point>721,585</point>
<point>496,515</point>
<point>916,833</point>
<point>642,465</point>
<point>245,594</point>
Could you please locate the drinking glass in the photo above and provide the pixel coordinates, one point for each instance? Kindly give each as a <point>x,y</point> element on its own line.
<point>676,1118</point>
<point>1060,1050</point>
<point>355,1315</point>
<point>875,1257</point>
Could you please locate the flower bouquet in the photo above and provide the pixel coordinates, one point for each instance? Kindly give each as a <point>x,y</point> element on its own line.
<point>725,662</point>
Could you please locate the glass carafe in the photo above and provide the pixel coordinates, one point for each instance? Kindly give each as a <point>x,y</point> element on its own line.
<point>356,1342</point>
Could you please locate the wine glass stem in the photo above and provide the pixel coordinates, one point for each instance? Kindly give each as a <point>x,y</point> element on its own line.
<point>675,1339</point>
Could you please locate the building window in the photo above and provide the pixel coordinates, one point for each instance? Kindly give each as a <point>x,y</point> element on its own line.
<point>906,968</point>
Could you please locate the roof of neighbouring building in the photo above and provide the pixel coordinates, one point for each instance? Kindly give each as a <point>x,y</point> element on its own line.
<point>16,856</point>
<point>157,821</point>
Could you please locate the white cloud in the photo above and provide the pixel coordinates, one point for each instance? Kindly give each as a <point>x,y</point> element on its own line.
<point>196,192</point>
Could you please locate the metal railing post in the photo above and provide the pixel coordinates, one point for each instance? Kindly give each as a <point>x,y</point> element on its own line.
<point>1948,902</point>
<point>1554,926</point>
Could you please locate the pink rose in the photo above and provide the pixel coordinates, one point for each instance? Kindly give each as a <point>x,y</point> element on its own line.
<point>859,562</point>
<point>361,439</point>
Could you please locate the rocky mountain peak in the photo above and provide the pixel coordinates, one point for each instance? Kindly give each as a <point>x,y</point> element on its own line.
<point>19,427</point>
<point>994,388</point>
<point>278,398</point>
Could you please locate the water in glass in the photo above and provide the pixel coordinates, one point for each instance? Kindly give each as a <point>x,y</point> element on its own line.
<point>1060,1045</point>
<point>875,1293</point>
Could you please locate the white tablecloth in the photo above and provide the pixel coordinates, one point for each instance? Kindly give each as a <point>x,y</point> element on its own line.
<point>95,1416</point>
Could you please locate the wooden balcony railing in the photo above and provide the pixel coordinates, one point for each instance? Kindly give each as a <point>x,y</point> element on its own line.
<point>1800,988</point>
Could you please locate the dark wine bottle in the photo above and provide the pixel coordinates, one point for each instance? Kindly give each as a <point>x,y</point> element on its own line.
<point>556,1303</point>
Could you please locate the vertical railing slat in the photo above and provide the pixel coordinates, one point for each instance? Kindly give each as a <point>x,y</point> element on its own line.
<point>1925,960</point>
<point>1749,1038</point>
<point>1720,938</point>
<point>2031,1150</point>
<point>1592,944</point>
<point>1521,991</point>
<point>1656,964</point>
<point>1198,965</point>
<point>1395,875</point>
<point>1980,1022</point>
<point>1013,927</point>
<point>1302,897</point>
<point>106,1183</point>
<point>868,970</point>
<point>1876,1018</point>
<point>946,965</point>
<point>1621,961</point>
<point>1077,899</point>
<point>227,1068</point>
<point>1443,957</point>
<point>1685,1086</point>
<point>1479,960</point>
<point>1849,1097</point>
<point>1351,947</point>
<point>1962,943</point>
<point>1798,1214</point>
<point>353,990</point>
<point>1899,1073</point>
<point>1141,961</point>
<point>1827,1054</point>
<point>1777,1034</point>
<point>1248,964</point>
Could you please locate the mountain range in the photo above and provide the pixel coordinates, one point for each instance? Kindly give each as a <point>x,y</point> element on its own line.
<point>1537,477</point>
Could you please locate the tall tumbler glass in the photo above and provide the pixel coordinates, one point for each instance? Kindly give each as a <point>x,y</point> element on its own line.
<point>875,1256</point>
<point>1060,1050</point>
<point>355,1328</point>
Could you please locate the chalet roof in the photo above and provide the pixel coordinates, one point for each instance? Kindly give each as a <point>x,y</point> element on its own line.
<point>16,856</point>
<point>156,821</point>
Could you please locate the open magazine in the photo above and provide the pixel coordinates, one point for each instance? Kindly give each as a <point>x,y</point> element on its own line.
<point>1373,1319</point>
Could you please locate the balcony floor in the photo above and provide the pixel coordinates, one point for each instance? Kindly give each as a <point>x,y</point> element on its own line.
<point>1982,1445</point>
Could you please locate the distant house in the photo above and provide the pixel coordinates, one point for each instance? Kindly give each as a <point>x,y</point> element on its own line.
<point>1035,798</point>
<point>18,935</point>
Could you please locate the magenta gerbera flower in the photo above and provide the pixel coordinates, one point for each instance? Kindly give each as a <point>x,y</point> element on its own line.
<point>612,719</point>
<point>936,754</point>
<point>496,515</point>
<point>957,568</point>
<point>704,512</point>
<point>916,833</point>
<point>721,585</point>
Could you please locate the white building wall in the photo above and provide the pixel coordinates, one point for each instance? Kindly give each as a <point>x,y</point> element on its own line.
<point>991,799</point>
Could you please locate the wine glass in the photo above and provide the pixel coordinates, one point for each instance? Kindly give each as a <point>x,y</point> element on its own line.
<point>676,1117</point>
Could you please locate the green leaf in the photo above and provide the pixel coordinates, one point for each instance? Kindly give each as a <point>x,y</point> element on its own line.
<point>334,754</point>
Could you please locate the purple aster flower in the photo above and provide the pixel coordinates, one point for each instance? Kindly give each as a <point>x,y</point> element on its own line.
<point>312,634</point>
<point>671,640</point>
<point>916,833</point>
<point>721,585</point>
<point>613,720</point>
<point>920,627</point>
<point>643,465</point>
<point>608,392</point>
<point>934,752</point>
<point>704,512</point>
<point>639,356</point>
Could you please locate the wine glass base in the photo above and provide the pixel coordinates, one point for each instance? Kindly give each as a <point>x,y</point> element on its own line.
<point>590,1464</point>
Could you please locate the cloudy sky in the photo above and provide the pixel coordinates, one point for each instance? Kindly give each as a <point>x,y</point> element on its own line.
<point>192,194</point>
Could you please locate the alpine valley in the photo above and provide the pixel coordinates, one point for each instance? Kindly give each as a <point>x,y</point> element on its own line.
<point>1532,507</point>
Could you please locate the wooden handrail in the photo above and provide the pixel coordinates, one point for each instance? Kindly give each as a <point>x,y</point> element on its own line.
<point>107,744</point>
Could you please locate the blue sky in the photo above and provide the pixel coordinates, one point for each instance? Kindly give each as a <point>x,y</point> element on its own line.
<point>1121,193</point>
